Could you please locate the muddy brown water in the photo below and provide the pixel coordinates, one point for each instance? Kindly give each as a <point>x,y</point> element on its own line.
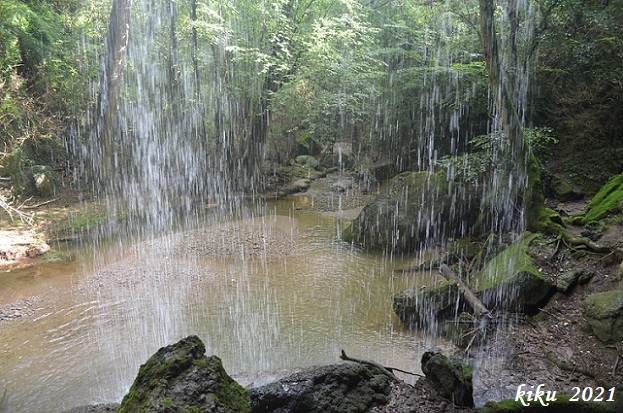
<point>266,295</point>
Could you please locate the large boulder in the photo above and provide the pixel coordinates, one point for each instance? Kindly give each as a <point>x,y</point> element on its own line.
<point>347,387</point>
<point>180,378</point>
<point>604,313</point>
<point>563,190</point>
<point>415,208</point>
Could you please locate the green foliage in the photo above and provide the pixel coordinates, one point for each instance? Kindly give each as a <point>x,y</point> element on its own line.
<point>580,75</point>
<point>42,84</point>
<point>394,79</point>
<point>487,153</point>
<point>561,405</point>
<point>541,141</point>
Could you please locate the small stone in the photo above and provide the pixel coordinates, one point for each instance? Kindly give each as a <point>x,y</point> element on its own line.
<point>567,280</point>
<point>586,277</point>
<point>301,184</point>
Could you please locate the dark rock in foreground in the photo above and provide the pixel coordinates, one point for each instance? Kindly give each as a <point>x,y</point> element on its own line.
<point>451,379</point>
<point>180,378</point>
<point>340,388</point>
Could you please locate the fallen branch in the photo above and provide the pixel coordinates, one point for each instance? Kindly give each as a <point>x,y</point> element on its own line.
<point>12,210</point>
<point>41,204</point>
<point>471,341</point>
<point>388,371</point>
<point>562,320</point>
<point>479,308</point>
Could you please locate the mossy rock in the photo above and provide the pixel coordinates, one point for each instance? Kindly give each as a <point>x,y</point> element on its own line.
<point>180,378</point>
<point>416,208</point>
<point>307,161</point>
<point>604,313</point>
<point>383,172</point>
<point>563,190</point>
<point>607,202</point>
<point>511,279</point>
<point>464,249</point>
<point>451,378</point>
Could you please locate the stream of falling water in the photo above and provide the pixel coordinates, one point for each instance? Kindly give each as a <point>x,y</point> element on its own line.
<point>267,295</point>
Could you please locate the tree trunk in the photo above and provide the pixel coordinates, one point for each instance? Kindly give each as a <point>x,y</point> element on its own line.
<point>503,92</point>
<point>117,49</point>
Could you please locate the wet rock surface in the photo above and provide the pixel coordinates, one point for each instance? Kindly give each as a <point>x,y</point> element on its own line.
<point>510,281</point>
<point>340,388</point>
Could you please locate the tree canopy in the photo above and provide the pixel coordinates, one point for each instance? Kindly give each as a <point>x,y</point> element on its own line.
<point>407,83</point>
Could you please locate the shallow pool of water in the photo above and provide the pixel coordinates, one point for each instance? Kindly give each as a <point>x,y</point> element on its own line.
<point>267,294</point>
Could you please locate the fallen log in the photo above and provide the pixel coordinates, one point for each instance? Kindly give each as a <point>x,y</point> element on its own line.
<point>480,309</point>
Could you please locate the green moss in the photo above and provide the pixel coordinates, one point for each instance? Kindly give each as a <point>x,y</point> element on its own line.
<point>55,256</point>
<point>159,380</point>
<point>515,256</point>
<point>534,199</point>
<point>512,280</point>
<point>562,190</point>
<point>231,394</point>
<point>538,217</point>
<point>607,202</point>
<point>561,405</point>
<point>168,402</point>
<point>72,222</point>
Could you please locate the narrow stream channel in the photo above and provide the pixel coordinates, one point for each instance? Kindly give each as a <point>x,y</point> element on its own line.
<point>266,295</point>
